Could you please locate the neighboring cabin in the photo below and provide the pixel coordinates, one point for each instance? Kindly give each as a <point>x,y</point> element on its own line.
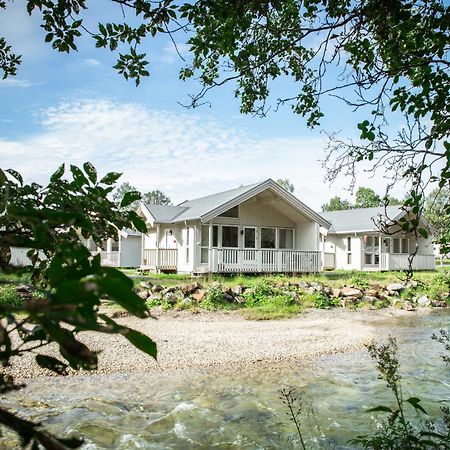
<point>255,228</point>
<point>125,252</point>
<point>354,241</point>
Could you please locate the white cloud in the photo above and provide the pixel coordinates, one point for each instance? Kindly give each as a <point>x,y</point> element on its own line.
<point>183,154</point>
<point>171,54</point>
<point>91,62</point>
<point>15,83</point>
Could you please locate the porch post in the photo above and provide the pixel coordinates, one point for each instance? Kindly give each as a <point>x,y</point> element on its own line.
<point>143,247</point>
<point>157,248</point>
<point>210,253</point>
<point>380,256</point>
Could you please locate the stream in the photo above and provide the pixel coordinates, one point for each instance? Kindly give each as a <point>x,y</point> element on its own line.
<point>239,410</point>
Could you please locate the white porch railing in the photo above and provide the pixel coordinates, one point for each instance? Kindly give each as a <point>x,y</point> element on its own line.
<point>391,261</point>
<point>247,260</point>
<point>109,258</point>
<point>160,259</point>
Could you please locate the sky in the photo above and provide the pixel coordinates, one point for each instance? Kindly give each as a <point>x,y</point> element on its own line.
<point>74,108</point>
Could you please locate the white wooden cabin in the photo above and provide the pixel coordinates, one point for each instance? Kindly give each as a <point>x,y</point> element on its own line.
<point>354,241</point>
<point>123,252</point>
<point>254,229</point>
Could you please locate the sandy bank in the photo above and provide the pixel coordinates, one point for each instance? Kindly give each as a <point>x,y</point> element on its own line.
<point>210,341</point>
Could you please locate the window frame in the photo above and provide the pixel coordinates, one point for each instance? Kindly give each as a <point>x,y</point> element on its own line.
<point>279,238</point>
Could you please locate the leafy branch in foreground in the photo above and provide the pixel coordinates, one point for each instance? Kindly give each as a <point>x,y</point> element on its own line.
<point>50,221</point>
<point>398,432</point>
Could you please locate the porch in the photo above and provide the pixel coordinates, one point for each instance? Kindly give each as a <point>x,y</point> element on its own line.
<point>389,261</point>
<point>263,261</point>
<point>160,259</point>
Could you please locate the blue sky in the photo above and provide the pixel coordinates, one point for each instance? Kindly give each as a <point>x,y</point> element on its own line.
<point>75,108</point>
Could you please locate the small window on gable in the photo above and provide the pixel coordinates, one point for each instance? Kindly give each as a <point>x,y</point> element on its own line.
<point>233,212</point>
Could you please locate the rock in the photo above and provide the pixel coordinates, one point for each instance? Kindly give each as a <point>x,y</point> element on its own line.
<point>199,295</point>
<point>407,306</point>
<point>144,294</point>
<point>190,288</point>
<point>336,292</point>
<point>155,297</point>
<point>25,291</point>
<point>146,284</point>
<point>303,285</point>
<point>351,292</point>
<point>369,299</point>
<point>228,297</point>
<point>186,302</point>
<point>440,304</point>
<point>395,287</point>
<point>423,301</point>
<point>238,290</point>
<point>348,301</point>
<point>240,299</point>
<point>371,292</point>
<point>170,297</point>
<point>169,290</point>
<point>157,288</point>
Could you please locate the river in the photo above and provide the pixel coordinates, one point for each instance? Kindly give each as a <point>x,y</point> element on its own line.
<point>239,410</point>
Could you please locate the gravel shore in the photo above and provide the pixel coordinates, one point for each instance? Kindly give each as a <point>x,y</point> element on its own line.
<point>226,341</point>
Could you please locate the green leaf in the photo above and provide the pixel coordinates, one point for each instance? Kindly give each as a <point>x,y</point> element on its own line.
<point>138,339</point>
<point>110,178</point>
<point>423,232</point>
<point>49,37</point>
<point>129,198</point>
<point>91,172</point>
<point>415,402</point>
<point>16,175</point>
<point>380,408</point>
<point>3,178</point>
<point>53,364</point>
<point>58,174</point>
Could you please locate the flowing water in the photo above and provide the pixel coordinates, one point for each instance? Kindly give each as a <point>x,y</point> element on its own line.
<point>241,410</point>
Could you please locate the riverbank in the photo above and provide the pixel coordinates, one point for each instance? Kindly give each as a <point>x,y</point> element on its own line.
<point>225,341</point>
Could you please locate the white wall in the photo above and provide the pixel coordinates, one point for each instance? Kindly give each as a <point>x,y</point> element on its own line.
<point>337,244</point>
<point>130,251</point>
<point>307,236</point>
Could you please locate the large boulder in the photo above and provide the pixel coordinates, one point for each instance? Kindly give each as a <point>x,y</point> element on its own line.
<point>199,295</point>
<point>336,292</point>
<point>157,288</point>
<point>144,294</point>
<point>189,289</point>
<point>423,301</point>
<point>395,287</point>
<point>351,292</point>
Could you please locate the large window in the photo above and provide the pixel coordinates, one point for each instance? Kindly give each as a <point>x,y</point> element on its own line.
<point>268,237</point>
<point>286,238</point>
<point>400,245</point>
<point>249,238</point>
<point>349,250</point>
<point>204,252</point>
<point>114,246</point>
<point>233,212</point>
<point>230,236</point>
<point>371,250</point>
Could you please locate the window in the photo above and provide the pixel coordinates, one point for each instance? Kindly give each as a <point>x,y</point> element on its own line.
<point>114,246</point>
<point>233,212</point>
<point>371,250</point>
<point>215,241</point>
<point>268,237</point>
<point>204,252</point>
<point>104,246</point>
<point>400,245</point>
<point>249,238</point>
<point>230,236</point>
<point>286,238</point>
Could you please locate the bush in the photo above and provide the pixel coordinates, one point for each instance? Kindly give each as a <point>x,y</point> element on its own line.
<point>153,302</point>
<point>8,295</point>
<point>259,294</point>
<point>214,297</point>
<point>439,287</point>
<point>360,279</point>
<point>322,301</point>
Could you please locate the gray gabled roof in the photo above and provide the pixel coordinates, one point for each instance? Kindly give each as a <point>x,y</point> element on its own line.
<point>360,219</point>
<point>210,206</point>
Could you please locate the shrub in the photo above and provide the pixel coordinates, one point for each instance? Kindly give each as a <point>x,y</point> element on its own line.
<point>154,302</point>
<point>322,301</point>
<point>260,293</point>
<point>8,295</point>
<point>359,279</point>
<point>214,297</point>
<point>439,287</point>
